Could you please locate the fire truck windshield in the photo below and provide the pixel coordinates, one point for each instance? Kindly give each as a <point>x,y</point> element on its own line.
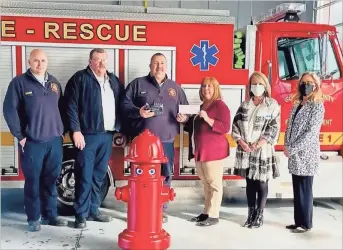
<point>297,55</point>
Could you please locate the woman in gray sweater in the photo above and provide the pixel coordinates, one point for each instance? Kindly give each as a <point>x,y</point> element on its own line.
<point>302,146</point>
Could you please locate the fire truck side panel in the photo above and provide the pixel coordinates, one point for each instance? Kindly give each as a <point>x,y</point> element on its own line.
<point>8,147</point>
<point>130,43</point>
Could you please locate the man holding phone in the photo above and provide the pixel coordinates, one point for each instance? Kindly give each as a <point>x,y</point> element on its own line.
<point>152,102</point>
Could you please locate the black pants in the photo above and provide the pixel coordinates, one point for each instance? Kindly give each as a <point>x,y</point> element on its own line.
<point>41,165</point>
<point>303,200</point>
<point>256,189</point>
<point>90,171</point>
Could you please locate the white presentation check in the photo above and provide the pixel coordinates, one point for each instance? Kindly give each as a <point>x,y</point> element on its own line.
<point>189,109</point>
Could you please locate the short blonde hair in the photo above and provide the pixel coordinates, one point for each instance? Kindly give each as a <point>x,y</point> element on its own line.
<point>216,88</point>
<point>262,79</point>
<point>316,95</point>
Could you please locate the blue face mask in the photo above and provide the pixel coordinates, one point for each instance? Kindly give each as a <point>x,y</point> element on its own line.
<point>306,89</point>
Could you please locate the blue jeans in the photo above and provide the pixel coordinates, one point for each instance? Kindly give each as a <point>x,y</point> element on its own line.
<point>167,168</point>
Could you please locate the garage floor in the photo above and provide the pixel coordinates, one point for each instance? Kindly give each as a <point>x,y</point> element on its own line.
<point>228,234</point>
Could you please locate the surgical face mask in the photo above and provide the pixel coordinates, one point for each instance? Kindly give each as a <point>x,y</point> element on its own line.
<point>306,89</point>
<point>257,90</point>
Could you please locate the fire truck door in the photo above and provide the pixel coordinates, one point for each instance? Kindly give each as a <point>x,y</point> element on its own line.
<point>292,54</point>
<point>8,150</point>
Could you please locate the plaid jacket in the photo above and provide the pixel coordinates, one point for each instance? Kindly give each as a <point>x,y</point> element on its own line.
<point>260,164</point>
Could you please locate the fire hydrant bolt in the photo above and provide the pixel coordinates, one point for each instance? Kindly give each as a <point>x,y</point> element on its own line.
<point>172,194</point>
<point>118,193</point>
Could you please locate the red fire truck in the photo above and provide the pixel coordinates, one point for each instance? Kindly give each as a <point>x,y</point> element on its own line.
<point>197,43</point>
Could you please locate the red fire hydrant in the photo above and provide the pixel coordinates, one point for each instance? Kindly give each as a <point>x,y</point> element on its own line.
<point>145,195</point>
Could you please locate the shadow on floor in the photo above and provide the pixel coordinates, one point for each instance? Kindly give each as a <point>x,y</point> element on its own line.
<point>118,209</point>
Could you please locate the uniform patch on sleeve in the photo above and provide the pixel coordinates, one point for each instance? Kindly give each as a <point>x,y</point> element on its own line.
<point>54,87</point>
<point>172,92</point>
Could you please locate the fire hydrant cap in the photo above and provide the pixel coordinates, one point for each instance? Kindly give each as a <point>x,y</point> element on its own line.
<point>146,148</point>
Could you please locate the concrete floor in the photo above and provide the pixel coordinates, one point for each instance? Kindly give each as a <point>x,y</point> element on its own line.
<point>228,234</point>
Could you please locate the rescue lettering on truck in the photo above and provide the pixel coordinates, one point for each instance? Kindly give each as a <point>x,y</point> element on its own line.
<point>28,30</point>
<point>84,31</point>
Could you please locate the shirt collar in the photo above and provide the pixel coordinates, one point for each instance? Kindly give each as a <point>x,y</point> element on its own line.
<point>153,79</point>
<point>46,75</point>
<point>106,78</point>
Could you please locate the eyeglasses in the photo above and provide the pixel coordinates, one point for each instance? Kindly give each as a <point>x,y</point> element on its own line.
<point>309,83</point>
<point>99,59</point>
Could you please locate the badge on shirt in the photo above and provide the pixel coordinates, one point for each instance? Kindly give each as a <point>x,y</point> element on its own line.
<point>172,92</point>
<point>54,87</point>
<point>268,116</point>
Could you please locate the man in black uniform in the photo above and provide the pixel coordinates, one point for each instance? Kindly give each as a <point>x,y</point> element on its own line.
<point>32,112</point>
<point>152,102</point>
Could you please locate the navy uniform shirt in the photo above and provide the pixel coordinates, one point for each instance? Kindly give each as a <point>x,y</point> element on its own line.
<point>145,90</point>
<point>32,110</point>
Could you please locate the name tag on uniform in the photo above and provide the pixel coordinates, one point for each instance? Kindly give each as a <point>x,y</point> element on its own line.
<point>142,92</point>
<point>28,93</point>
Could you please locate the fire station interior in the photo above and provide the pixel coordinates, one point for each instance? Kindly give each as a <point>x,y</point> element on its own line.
<point>315,45</point>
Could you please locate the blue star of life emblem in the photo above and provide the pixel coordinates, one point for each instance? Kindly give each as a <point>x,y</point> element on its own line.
<point>204,55</point>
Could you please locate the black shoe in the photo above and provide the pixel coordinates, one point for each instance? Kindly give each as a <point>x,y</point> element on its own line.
<point>164,218</point>
<point>258,219</point>
<point>292,227</point>
<point>80,222</point>
<point>306,229</point>
<point>250,219</point>
<point>301,229</point>
<point>208,222</point>
<point>99,217</point>
<point>34,226</point>
<point>199,218</point>
<point>54,221</point>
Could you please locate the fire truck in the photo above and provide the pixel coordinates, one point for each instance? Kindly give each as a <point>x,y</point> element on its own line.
<point>196,43</point>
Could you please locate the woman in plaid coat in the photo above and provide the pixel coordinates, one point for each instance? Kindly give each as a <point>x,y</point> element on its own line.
<point>256,128</point>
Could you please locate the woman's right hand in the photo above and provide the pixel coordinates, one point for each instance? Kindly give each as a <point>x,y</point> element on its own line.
<point>244,145</point>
